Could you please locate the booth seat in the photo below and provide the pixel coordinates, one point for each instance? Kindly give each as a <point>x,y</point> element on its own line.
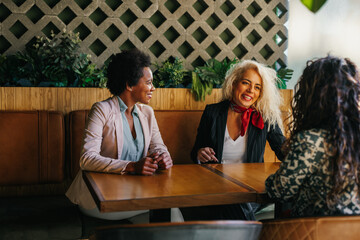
<point>34,178</point>
<point>312,228</point>
<point>39,157</point>
<point>178,129</point>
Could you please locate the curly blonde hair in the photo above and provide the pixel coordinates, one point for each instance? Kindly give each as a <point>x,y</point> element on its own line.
<point>268,103</point>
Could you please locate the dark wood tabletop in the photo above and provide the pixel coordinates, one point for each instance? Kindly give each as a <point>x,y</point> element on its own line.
<point>181,186</point>
<point>249,175</point>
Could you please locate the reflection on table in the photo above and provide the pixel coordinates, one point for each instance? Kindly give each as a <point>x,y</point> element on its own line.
<point>180,186</point>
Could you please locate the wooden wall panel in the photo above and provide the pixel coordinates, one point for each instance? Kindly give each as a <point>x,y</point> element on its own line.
<point>70,99</point>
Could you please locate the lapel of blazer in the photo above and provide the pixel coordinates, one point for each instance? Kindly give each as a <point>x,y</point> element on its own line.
<point>145,124</point>
<point>252,142</point>
<point>222,118</point>
<point>118,124</point>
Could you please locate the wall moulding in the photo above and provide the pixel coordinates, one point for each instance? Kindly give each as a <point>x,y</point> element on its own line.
<point>70,99</point>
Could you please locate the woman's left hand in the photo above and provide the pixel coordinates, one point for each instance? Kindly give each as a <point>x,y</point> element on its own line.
<point>164,160</point>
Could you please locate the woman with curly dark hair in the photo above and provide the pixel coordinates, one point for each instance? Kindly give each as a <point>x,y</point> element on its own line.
<point>121,135</point>
<point>320,174</point>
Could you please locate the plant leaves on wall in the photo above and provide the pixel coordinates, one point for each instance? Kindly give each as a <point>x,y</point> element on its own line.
<point>313,5</point>
<point>170,73</point>
<point>284,75</point>
<point>209,76</point>
<point>213,73</point>
<point>52,62</point>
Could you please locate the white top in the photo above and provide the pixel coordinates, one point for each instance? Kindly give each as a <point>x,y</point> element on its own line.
<point>234,150</point>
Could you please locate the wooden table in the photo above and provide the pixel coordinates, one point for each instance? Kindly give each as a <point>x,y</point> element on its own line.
<point>181,186</point>
<point>249,175</point>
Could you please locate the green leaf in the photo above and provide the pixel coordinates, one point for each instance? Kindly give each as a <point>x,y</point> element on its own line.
<point>199,88</point>
<point>313,5</point>
<point>284,75</point>
<point>196,86</point>
<point>170,74</point>
<point>54,61</point>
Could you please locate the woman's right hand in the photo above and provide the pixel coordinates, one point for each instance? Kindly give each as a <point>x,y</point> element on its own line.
<point>206,154</point>
<point>145,166</point>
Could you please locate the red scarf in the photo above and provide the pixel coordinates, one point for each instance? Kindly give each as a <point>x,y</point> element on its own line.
<point>256,120</point>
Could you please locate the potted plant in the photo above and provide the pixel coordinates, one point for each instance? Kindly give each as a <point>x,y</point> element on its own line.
<point>52,62</point>
<point>171,74</point>
<point>212,75</point>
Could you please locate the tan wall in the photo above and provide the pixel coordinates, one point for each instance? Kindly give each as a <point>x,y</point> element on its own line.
<point>70,99</point>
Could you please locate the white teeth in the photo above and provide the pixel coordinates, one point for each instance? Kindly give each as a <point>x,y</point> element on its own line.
<point>247,97</point>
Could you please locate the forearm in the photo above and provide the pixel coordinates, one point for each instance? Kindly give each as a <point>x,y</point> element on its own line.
<point>276,139</point>
<point>95,162</point>
<point>276,190</point>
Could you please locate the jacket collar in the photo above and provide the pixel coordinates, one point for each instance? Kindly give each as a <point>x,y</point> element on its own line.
<point>115,108</point>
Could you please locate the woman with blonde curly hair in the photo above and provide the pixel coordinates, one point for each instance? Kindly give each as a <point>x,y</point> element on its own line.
<point>235,130</point>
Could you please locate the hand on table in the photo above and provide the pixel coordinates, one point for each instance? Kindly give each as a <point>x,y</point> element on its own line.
<point>163,160</point>
<point>206,154</point>
<point>145,166</point>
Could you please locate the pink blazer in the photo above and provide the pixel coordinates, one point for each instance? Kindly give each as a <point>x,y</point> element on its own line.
<point>103,143</point>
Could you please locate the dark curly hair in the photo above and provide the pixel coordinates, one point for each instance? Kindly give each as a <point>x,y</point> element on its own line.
<point>126,68</point>
<point>327,97</point>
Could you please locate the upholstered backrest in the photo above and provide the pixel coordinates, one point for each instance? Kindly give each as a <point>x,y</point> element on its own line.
<point>232,230</point>
<point>269,155</point>
<point>178,130</point>
<point>75,122</point>
<point>32,147</point>
<point>314,228</point>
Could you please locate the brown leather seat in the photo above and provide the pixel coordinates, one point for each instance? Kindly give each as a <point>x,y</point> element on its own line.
<point>33,179</point>
<point>197,230</point>
<point>32,147</point>
<point>314,228</point>
<point>178,130</point>
<point>75,123</point>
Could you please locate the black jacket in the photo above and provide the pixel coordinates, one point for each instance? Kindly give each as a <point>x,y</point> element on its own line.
<point>211,133</point>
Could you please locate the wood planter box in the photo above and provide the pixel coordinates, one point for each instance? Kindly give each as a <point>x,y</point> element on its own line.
<point>70,99</point>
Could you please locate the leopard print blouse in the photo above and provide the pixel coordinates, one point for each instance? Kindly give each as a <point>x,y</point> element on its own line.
<point>304,179</point>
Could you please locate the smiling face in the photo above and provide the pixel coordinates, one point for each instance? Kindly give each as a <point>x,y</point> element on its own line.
<point>142,91</point>
<point>247,89</point>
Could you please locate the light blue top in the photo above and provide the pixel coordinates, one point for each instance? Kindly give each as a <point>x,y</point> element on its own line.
<point>133,148</point>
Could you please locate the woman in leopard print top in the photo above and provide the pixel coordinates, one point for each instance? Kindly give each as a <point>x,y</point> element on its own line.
<point>320,175</point>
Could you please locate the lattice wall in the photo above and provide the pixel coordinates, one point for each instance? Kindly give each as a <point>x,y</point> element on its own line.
<point>192,30</point>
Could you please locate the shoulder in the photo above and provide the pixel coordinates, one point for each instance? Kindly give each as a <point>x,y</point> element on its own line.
<point>272,128</point>
<point>310,141</point>
<point>108,103</point>
<point>217,107</point>
<point>309,150</point>
<point>312,136</point>
<point>104,108</point>
<point>105,105</point>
